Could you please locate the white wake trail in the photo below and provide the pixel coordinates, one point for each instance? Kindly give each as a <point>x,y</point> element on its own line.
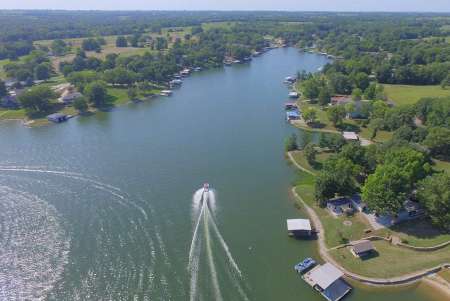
<point>212,266</point>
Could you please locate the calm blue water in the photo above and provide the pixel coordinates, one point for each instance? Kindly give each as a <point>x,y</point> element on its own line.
<point>102,207</point>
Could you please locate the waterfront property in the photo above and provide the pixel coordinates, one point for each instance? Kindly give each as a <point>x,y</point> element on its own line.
<point>350,136</point>
<point>299,227</point>
<point>292,115</point>
<point>289,106</point>
<point>411,210</point>
<point>341,99</point>
<point>327,279</point>
<point>362,248</point>
<point>340,206</point>
<point>57,117</point>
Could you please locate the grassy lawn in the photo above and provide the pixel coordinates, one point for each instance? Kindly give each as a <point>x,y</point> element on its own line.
<point>391,261</point>
<point>403,94</point>
<point>12,114</point>
<point>382,136</point>
<point>301,160</point>
<point>336,232</point>
<point>419,233</point>
<point>441,165</point>
<point>221,25</point>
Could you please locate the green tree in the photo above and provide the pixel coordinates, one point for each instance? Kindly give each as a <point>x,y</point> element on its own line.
<point>385,190</point>
<point>324,97</point>
<point>357,94</point>
<point>361,81</point>
<point>434,193</point>
<point>310,153</point>
<point>290,143</point>
<point>336,114</point>
<point>37,99</point>
<point>445,82</point>
<point>309,115</point>
<point>3,91</point>
<point>438,141</point>
<point>132,93</point>
<point>96,93</point>
<point>379,109</point>
<point>121,41</point>
<point>80,104</point>
<point>42,71</point>
<point>59,47</point>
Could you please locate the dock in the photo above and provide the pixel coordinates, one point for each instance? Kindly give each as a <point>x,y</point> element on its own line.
<point>327,280</point>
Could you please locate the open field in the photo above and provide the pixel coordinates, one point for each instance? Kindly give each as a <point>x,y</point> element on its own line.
<point>404,94</point>
<point>390,261</point>
<point>222,25</point>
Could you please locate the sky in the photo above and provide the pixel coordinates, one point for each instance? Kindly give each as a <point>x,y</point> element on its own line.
<point>289,5</point>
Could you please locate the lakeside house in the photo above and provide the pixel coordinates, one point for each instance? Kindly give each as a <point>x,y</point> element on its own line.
<point>339,206</point>
<point>292,115</point>
<point>327,279</point>
<point>350,136</point>
<point>341,99</point>
<point>10,101</point>
<point>69,96</point>
<point>57,117</point>
<point>299,227</point>
<point>411,210</point>
<point>362,248</point>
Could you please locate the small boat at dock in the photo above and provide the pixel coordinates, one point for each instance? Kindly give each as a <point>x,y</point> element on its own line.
<point>166,93</point>
<point>305,265</point>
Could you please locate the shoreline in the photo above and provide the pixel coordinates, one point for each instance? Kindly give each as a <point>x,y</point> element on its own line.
<point>426,275</point>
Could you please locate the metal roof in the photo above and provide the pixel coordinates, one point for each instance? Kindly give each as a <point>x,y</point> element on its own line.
<point>362,246</point>
<point>325,275</point>
<point>298,224</point>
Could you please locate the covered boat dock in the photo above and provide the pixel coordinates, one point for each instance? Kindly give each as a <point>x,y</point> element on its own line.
<point>327,279</point>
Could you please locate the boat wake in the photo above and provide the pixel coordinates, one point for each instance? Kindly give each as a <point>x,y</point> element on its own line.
<point>53,221</point>
<point>211,264</point>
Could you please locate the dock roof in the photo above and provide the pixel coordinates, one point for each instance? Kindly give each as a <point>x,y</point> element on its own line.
<point>298,224</point>
<point>325,275</point>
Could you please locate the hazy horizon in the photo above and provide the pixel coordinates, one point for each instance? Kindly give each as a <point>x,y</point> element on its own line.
<point>436,6</point>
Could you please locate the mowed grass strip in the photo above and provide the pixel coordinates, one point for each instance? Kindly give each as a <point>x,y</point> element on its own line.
<point>406,94</point>
<point>390,261</point>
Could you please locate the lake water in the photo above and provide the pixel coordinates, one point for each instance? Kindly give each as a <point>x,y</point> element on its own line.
<point>102,207</point>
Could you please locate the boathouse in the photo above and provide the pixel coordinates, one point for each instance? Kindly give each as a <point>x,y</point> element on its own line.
<point>290,106</point>
<point>292,115</point>
<point>57,117</point>
<point>362,248</point>
<point>299,227</point>
<point>350,136</point>
<point>327,279</point>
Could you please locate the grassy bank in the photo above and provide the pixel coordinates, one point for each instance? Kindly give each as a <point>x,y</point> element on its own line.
<point>390,261</point>
<point>405,94</point>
